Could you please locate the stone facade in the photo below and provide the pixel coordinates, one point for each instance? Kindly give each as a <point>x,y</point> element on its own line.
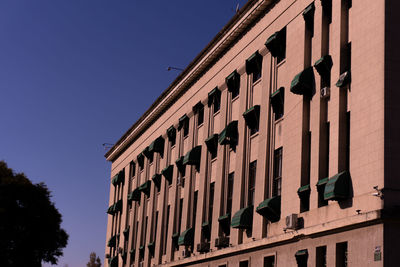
<point>276,146</point>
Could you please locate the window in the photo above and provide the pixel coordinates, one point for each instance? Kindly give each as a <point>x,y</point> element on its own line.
<point>277,102</point>
<point>132,169</point>
<point>320,260</point>
<point>233,82</point>
<point>200,116</point>
<point>184,124</point>
<point>276,44</point>
<point>269,261</point>
<point>244,264</point>
<point>341,254</point>
<point>252,117</point>
<point>230,192</point>
<point>171,133</point>
<point>196,193</point>
<point>253,66</point>
<point>252,180</point>
<point>277,179</point>
<point>214,99</point>
<point>302,257</point>
<point>211,202</point>
<point>166,231</point>
<point>198,109</point>
<point>180,214</point>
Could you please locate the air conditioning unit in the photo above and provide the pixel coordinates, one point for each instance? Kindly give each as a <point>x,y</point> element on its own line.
<point>222,242</point>
<point>185,253</point>
<point>291,221</point>
<point>203,247</point>
<point>325,92</point>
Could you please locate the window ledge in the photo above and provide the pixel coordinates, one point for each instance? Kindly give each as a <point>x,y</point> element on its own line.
<point>281,63</point>
<point>257,82</point>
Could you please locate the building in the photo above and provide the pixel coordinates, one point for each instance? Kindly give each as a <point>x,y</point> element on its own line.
<point>277,146</point>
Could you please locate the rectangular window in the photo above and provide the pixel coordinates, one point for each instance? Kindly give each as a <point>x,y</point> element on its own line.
<point>320,259</point>
<point>277,179</point>
<point>200,116</point>
<point>132,168</point>
<point>269,261</point>
<point>194,208</point>
<point>252,182</point>
<point>180,214</point>
<point>244,264</point>
<point>341,254</point>
<point>217,103</point>
<point>230,192</point>
<point>166,231</point>
<point>211,202</point>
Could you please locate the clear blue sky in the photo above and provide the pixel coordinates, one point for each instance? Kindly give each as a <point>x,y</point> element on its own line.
<point>78,73</point>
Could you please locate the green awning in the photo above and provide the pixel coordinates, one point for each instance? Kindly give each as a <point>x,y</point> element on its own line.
<point>233,81</point>
<point>140,160</point>
<point>304,83</point>
<point>132,252</point>
<point>300,253</point>
<point>145,188</point>
<point>182,121</point>
<point>151,246</point>
<point>171,133</point>
<point>276,44</point>
<point>175,235</point>
<point>196,108</point>
<point>321,184</point>
<point>212,142</point>
<point>114,261</point>
<point>126,232</point>
<point>225,219</point>
<point>186,238</point>
<point>301,257</point>
<point>205,225</point>
<point>157,180</point>
<point>304,190</point>
<point>229,135</point>
<point>213,94</point>
<point>277,100</point>
<point>146,152</point>
<point>134,195</point>
<point>272,44</point>
<point>110,209</point>
<point>324,65</point>
<point>243,219</point>
<point>308,15</point>
<point>252,116</point>
<point>157,145</point>
<point>193,156</point>
<point>344,79</point>
<point>112,242</point>
<point>118,206</point>
<point>114,180</point>
<point>253,63</point>
<point>179,164</point>
<point>167,172</point>
<point>120,178</point>
<point>338,187</point>
<point>270,208</point>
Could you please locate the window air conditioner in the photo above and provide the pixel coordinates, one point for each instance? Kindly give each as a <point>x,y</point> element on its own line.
<point>291,221</point>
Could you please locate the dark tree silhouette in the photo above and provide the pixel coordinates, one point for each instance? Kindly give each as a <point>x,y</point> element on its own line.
<point>29,222</point>
<point>94,261</point>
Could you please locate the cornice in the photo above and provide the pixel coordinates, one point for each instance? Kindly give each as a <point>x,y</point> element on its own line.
<point>207,58</point>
